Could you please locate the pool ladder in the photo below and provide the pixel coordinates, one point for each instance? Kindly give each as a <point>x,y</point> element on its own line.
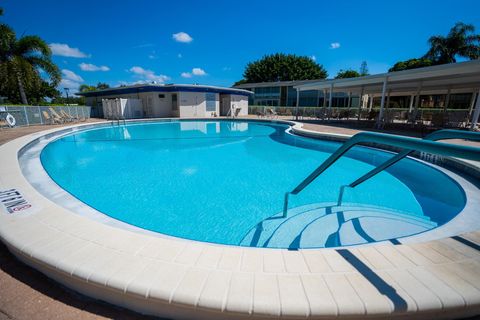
<point>408,144</point>
<point>117,121</point>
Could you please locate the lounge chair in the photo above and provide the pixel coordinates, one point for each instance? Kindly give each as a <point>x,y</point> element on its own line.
<point>271,113</point>
<point>67,117</point>
<point>457,119</point>
<point>261,113</point>
<point>236,112</point>
<point>51,119</point>
<point>56,115</point>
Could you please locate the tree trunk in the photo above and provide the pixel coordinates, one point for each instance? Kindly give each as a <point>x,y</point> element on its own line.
<point>21,88</point>
<point>23,96</point>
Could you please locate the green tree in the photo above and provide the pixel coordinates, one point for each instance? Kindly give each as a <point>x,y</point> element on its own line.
<point>283,67</point>
<point>99,86</point>
<point>86,88</point>
<point>102,86</point>
<point>364,69</point>
<point>20,61</point>
<point>461,41</point>
<point>239,82</point>
<point>342,74</point>
<point>411,64</point>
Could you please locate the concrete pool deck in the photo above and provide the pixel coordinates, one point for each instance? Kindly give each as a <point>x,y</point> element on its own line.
<point>440,278</point>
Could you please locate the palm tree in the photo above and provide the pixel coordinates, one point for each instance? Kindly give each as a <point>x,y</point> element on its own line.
<point>25,56</point>
<point>460,41</point>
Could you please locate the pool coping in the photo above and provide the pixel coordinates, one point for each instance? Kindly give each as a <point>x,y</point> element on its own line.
<point>186,279</point>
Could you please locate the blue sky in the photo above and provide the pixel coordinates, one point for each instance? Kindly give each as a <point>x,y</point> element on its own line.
<point>210,42</point>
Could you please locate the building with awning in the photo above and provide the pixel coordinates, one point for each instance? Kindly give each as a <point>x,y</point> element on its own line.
<point>447,80</point>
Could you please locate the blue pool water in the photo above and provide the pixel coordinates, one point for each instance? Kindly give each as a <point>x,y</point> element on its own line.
<point>224,182</point>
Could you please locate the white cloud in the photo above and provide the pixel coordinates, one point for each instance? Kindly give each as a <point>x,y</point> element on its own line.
<point>182,37</point>
<point>334,45</point>
<point>70,75</point>
<point>227,68</point>
<point>148,75</point>
<point>92,67</point>
<point>70,80</point>
<point>71,85</point>
<point>64,50</point>
<point>152,56</point>
<point>313,58</point>
<point>194,72</point>
<point>198,72</point>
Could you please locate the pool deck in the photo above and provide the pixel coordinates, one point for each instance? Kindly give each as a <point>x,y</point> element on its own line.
<point>180,278</point>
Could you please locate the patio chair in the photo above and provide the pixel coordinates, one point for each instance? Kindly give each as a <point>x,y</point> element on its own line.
<point>271,113</point>
<point>51,119</point>
<point>457,119</point>
<point>236,112</point>
<point>320,115</point>
<point>260,113</point>
<point>414,117</point>
<point>56,115</point>
<point>67,117</point>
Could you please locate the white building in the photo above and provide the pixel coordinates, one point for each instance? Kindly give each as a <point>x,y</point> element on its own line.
<point>174,100</point>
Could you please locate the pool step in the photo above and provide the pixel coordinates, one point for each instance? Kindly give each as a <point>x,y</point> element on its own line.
<point>328,225</point>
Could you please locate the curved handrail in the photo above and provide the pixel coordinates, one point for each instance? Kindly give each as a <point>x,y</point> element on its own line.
<point>434,136</point>
<point>439,148</point>
<point>411,144</point>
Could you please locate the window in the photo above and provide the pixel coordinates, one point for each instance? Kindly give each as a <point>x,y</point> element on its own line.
<point>161,96</point>
<point>174,102</point>
<point>211,101</point>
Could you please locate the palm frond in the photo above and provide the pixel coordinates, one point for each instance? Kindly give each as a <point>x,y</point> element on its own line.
<point>30,45</point>
<point>48,66</point>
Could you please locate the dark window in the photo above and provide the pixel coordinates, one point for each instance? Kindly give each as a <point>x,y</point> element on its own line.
<point>174,102</point>
<point>161,96</point>
<point>211,101</point>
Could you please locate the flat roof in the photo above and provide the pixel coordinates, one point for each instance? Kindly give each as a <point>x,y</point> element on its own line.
<point>139,88</point>
<point>453,76</point>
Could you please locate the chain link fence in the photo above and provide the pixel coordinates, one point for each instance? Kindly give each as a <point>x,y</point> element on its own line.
<point>38,115</point>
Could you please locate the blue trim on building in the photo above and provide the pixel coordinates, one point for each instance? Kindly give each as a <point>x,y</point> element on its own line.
<point>167,88</point>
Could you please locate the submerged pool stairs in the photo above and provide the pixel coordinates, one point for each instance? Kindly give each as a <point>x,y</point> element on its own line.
<point>330,225</point>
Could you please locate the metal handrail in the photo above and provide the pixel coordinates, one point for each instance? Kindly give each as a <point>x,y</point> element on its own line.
<point>440,148</point>
<point>434,136</point>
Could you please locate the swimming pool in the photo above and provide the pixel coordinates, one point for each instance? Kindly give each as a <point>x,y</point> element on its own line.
<point>224,182</point>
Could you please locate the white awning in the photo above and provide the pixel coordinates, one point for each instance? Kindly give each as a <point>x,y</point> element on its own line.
<point>456,77</point>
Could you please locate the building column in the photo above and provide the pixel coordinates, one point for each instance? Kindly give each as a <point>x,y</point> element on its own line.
<point>472,103</point>
<point>349,99</point>
<point>297,104</point>
<point>330,97</point>
<point>360,104</point>
<point>416,104</point>
<point>382,103</point>
<point>387,105</point>
<point>370,103</point>
<point>447,101</point>
<point>412,98</point>
<point>476,113</point>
